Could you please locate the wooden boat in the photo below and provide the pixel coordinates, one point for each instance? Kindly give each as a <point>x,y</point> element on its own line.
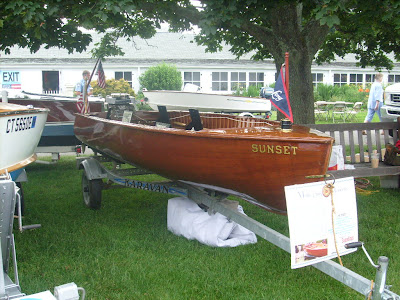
<point>59,129</point>
<point>20,131</point>
<point>317,249</point>
<point>249,155</point>
<point>182,100</point>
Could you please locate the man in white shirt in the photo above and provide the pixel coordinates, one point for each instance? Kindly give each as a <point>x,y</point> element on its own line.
<point>375,99</point>
<point>81,85</point>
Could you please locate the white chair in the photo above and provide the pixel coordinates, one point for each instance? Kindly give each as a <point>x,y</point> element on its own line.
<point>351,115</point>
<point>320,110</point>
<point>339,111</point>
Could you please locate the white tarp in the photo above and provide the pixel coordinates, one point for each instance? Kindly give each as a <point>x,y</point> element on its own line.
<point>187,219</point>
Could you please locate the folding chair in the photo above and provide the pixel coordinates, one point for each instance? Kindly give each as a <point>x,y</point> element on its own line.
<point>351,115</point>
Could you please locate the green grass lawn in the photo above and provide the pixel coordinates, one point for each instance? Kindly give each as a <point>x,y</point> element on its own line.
<point>359,118</point>
<point>124,250</point>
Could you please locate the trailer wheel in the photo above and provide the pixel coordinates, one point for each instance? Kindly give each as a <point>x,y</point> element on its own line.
<point>91,190</point>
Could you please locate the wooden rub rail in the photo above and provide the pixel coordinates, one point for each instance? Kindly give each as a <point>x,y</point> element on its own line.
<point>358,141</point>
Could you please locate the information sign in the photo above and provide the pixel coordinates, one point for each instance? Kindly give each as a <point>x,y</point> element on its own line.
<point>322,219</point>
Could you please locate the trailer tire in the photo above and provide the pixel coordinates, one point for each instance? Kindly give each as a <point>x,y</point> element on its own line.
<point>91,190</point>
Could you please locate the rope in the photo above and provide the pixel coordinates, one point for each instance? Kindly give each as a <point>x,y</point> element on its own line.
<point>328,190</point>
<point>362,184</point>
<point>370,292</point>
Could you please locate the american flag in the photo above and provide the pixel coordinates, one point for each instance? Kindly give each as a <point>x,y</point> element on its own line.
<point>101,77</point>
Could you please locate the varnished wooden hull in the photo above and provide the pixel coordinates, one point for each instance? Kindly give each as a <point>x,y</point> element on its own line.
<point>59,129</point>
<point>248,155</point>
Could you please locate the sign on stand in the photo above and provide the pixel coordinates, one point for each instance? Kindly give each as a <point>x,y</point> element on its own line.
<point>322,219</point>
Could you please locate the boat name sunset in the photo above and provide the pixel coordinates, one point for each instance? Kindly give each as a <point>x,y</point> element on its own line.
<point>274,149</point>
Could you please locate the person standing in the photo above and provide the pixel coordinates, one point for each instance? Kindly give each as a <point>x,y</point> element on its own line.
<point>81,85</point>
<point>375,99</point>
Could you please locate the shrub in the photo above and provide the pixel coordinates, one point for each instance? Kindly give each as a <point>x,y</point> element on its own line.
<point>161,77</point>
<point>113,86</point>
<point>347,93</point>
<point>251,91</point>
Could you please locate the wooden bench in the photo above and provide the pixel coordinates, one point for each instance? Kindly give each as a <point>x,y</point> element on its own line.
<point>358,140</point>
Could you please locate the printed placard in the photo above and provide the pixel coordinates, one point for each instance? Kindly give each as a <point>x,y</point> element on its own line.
<point>313,236</point>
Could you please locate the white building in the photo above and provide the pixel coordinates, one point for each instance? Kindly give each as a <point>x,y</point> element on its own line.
<point>55,71</point>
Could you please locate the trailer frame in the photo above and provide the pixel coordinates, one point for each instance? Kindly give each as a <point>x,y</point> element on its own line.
<point>211,196</point>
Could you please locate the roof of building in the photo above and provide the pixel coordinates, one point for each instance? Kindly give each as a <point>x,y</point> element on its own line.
<point>169,47</point>
<point>165,45</point>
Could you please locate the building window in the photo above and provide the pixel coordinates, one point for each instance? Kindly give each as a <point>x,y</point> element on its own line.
<point>393,78</point>
<point>191,77</point>
<point>317,78</point>
<point>256,78</point>
<point>219,81</point>
<point>124,75</point>
<point>339,79</point>
<point>51,82</point>
<point>356,79</point>
<point>238,81</point>
<point>369,78</point>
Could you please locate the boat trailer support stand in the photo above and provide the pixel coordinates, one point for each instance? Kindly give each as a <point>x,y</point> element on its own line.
<point>331,268</point>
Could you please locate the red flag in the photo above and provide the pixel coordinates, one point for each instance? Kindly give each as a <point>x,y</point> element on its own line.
<point>101,82</point>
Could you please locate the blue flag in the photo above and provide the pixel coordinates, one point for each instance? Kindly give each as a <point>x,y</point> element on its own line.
<point>280,97</point>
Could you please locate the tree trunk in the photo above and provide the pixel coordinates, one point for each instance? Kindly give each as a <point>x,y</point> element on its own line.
<point>301,94</point>
<point>301,88</point>
<point>302,41</point>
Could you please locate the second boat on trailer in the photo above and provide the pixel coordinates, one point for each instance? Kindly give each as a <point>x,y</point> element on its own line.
<point>252,156</point>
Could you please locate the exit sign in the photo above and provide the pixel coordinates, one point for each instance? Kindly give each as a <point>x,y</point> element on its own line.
<point>11,79</point>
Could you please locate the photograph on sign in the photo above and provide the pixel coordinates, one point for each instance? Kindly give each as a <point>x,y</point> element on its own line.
<point>322,220</point>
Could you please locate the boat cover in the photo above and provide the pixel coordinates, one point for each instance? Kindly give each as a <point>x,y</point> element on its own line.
<point>186,218</point>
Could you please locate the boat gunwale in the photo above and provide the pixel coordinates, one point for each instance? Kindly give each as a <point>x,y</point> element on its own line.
<point>23,112</point>
<point>212,133</point>
<point>54,100</point>
<point>206,94</point>
<point>7,108</point>
<point>19,165</point>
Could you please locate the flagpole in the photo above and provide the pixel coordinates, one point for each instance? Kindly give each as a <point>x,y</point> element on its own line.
<point>85,94</point>
<point>94,69</point>
<point>287,71</point>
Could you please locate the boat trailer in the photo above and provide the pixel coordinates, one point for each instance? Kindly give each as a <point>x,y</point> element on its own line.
<point>94,171</point>
<point>10,202</point>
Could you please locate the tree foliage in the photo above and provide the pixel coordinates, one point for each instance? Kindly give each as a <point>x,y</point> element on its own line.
<point>161,77</point>
<point>310,30</point>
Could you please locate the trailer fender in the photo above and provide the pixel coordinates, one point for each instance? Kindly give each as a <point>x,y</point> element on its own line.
<point>92,169</point>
